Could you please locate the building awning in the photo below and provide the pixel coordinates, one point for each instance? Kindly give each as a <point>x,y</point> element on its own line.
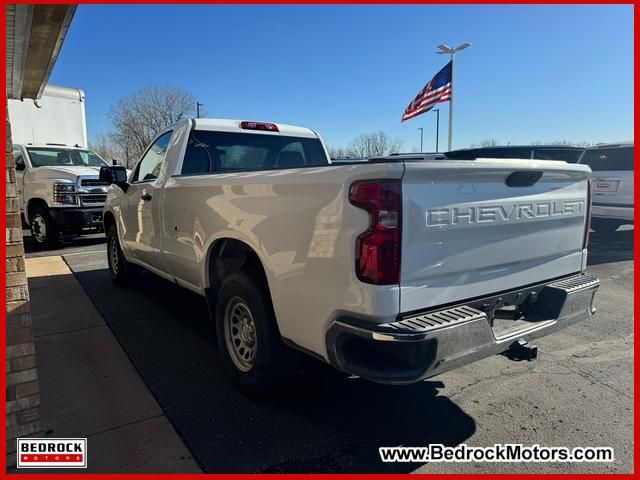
<point>35,34</point>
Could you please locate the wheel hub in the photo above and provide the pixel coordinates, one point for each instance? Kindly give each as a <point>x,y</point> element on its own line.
<point>114,256</point>
<point>247,332</point>
<point>39,228</point>
<point>240,334</point>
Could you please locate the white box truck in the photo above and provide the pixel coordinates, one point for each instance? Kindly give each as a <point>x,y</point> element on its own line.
<point>57,117</point>
<point>57,176</point>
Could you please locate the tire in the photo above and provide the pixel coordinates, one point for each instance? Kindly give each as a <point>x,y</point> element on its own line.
<point>245,320</point>
<point>122,272</point>
<point>604,225</point>
<point>44,231</point>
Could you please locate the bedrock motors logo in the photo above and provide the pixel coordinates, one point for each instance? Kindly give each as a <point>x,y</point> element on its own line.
<point>52,453</point>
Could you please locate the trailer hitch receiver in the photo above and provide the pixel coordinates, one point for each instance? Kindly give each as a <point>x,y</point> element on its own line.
<point>522,350</point>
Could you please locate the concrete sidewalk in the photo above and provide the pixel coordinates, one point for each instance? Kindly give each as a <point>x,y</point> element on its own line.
<point>89,388</point>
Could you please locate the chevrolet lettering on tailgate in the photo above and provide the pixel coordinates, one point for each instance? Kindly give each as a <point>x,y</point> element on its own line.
<point>502,213</point>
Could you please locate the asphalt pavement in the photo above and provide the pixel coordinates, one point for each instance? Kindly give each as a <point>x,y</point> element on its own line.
<point>578,393</point>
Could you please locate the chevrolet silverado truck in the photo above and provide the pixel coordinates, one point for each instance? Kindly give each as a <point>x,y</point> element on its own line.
<point>393,270</point>
<point>59,191</point>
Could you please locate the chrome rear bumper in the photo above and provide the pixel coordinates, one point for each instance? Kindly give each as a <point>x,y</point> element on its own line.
<point>427,344</point>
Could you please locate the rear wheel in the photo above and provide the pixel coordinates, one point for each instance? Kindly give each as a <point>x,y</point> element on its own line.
<point>254,356</point>
<point>604,225</point>
<point>122,272</point>
<point>44,230</point>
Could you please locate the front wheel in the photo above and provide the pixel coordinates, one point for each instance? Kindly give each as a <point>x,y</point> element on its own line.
<point>44,230</point>
<point>122,272</point>
<point>253,353</point>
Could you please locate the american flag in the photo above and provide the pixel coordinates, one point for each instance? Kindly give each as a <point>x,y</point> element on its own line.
<point>436,91</point>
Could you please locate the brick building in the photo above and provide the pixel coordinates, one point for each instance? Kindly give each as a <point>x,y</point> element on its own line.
<point>34,37</point>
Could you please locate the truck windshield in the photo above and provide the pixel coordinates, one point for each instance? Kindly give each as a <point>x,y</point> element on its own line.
<point>227,152</point>
<point>53,157</point>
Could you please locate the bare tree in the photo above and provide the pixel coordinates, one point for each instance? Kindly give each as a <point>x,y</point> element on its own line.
<point>488,142</point>
<point>373,144</point>
<point>139,117</point>
<point>567,143</point>
<point>116,148</point>
<point>338,152</point>
<point>104,146</point>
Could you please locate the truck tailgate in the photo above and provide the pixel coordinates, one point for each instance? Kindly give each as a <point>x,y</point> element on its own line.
<point>468,233</point>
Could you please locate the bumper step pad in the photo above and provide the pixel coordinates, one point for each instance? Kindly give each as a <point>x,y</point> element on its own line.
<point>435,320</point>
<point>576,283</point>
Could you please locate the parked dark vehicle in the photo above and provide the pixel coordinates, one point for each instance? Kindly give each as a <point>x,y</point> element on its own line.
<point>540,152</point>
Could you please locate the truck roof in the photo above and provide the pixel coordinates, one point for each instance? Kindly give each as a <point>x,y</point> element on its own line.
<point>50,145</point>
<point>515,147</point>
<point>229,125</point>
<point>71,93</point>
<point>612,145</point>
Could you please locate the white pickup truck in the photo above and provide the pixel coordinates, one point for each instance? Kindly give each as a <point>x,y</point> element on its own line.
<point>612,167</point>
<point>59,191</point>
<point>394,270</point>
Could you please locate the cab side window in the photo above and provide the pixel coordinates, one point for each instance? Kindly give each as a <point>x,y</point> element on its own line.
<point>150,165</point>
<point>197,158</point>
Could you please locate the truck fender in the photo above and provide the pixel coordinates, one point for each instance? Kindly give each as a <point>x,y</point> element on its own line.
<point>226,255</point>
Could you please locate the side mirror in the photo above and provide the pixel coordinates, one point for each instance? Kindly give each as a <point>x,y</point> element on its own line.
<point>114,174</point>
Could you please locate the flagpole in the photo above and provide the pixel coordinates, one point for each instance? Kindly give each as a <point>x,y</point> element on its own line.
<point>451,105</point>
<point>451,51</point>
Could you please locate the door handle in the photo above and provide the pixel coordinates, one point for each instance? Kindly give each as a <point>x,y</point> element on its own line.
<point>146,196</point>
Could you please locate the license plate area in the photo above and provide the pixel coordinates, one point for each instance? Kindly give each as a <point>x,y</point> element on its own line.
<point>513,312</point>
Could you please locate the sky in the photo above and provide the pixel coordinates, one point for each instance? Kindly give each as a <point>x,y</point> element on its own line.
<point>533,72</point>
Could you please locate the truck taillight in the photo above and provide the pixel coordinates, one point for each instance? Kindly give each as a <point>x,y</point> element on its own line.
<point>378,248</point>
<point>265,127</point>
<point>587,231</point>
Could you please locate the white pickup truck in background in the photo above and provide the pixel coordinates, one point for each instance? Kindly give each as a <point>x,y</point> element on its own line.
<point>612,167</point>
<point>394,270</point>
<point>59,191</point>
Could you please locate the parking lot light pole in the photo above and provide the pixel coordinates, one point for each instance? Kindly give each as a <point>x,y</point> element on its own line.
<point>437,110</point>
<point>421,135</point>
<point>445,49</point>
<point>198,105</point>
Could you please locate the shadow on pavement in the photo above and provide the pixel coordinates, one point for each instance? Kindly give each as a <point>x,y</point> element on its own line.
<point>326,422</point>
<point>608,247</point>
<point>66,246</point>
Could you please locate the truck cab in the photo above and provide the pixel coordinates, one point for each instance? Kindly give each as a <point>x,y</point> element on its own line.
<point>59,190</point>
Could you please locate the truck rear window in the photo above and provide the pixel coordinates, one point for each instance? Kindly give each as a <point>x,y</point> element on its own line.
<point>609,159</point>
<point>230,152</point>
